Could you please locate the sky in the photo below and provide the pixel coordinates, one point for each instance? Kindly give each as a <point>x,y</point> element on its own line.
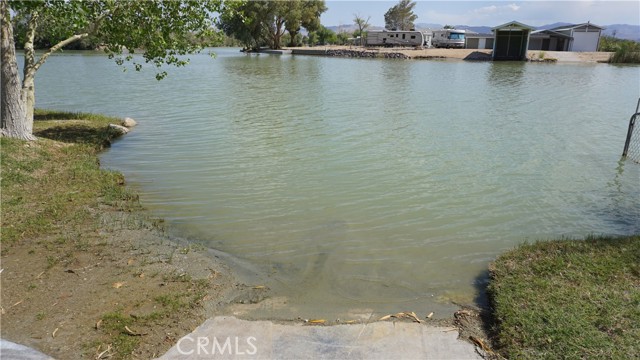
<point>490,13</point>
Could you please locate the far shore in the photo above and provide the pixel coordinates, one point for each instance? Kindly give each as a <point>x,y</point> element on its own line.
<point>457,54</point>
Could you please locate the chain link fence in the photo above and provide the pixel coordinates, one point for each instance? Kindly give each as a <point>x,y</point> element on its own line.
<point>632,145</point>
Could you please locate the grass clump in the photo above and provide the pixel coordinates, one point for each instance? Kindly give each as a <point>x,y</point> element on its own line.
<point>50,185</point>
<point>568,299</point>
<point>122,341</point>
<point>624,51</point>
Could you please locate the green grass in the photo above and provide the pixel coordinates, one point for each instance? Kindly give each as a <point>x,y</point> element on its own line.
<point>49,186</point>
<point>123,343</point>
<point>624,51</point>
<point>570,299</point>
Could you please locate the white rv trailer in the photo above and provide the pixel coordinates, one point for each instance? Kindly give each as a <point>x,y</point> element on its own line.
<point>394,38</point>
<point>448,38</point>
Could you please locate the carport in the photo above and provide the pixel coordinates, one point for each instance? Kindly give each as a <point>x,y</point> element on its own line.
<point>512,40</point>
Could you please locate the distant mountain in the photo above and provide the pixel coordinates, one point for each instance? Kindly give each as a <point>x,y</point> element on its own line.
<point>621,31</point>
<point>477,29</point>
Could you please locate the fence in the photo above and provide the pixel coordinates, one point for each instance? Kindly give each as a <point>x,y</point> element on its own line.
<point>632,145</point>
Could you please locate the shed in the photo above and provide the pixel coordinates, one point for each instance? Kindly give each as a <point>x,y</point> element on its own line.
<point>511,41</point>
<point>549,40</point>
<point>583,37</point>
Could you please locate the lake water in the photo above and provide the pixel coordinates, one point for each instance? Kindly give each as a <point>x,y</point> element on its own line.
<point>367,185</point>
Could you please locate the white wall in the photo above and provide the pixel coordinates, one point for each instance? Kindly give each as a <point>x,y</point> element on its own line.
<point>585,41</point>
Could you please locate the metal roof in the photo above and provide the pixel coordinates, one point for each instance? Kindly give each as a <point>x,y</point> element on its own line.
<point>551,32</point>
<point>512,25</point>
<point>573,26</point>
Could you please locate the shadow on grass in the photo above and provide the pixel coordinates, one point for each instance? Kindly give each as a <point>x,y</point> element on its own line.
<point>78,134</point>
<point>483,302</point>
<point>44,115</point>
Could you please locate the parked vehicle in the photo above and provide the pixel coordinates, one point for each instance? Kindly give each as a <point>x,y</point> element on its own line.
<point>448,38</point>
<point>395,38</point>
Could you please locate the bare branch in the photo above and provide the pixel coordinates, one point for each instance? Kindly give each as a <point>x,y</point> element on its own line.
<point>57,47</point>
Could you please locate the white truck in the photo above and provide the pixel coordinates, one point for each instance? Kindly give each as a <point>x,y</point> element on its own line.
<point>395,38</point>
<point>448,38</point>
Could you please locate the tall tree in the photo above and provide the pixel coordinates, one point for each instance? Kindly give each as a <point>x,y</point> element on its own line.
<point>265,21</point>
<point>164,29</point>
<point>303,13</point>
<point>362,24</point>
<point>245,20</point>
<point>400,16</point>
<point>12,109</point>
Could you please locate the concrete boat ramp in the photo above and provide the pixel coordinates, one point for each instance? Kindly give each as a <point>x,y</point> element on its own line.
<point>226,337</point>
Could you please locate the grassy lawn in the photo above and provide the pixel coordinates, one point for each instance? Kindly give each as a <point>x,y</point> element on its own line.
<point>49,187</point>
<point>574,299</point>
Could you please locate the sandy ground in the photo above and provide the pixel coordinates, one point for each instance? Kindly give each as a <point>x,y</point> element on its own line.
<point>477,54</point>
<point>53,299</point>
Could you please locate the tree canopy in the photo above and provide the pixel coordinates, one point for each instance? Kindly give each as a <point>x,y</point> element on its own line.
<point>400,16</point>
<point>161,30</point>
<point>264,22</point>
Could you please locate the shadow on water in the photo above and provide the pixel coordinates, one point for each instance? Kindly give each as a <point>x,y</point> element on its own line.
<point>622,211</point>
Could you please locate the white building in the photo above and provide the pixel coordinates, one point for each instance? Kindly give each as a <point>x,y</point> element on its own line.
<point>579,37</point>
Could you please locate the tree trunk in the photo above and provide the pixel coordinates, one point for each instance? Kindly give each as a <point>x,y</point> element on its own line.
<point>13,112</point>
<point>293,35</point>
<point>28,92</point>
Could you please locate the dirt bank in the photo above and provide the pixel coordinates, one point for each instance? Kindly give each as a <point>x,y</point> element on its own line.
<point>85,272</point>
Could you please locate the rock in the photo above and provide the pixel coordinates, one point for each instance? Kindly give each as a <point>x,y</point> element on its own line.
<point>118,129</point>
<point>129,122</point>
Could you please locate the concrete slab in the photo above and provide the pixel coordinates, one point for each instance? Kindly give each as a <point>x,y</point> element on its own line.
<point>13,351</point>
<point>226,337</point>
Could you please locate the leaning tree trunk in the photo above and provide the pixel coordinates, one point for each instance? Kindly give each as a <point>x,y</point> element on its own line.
<point>13,112</point>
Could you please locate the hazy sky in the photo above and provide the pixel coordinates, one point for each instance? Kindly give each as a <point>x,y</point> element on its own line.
<point>490,13</point>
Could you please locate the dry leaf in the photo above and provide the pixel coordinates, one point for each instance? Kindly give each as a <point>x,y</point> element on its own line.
<point>413,316</point>
<point>117,285</point>
<point>53,334</point>
<point>480,343</point>
<point>385,317</point>
<point>259,287</point>
<point>98,324</point>
<point>430,315</point>
<point>130,261</point>
<point>317,321</point>
<point>132,333</point>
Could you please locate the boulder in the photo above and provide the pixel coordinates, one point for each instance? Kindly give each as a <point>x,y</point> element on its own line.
<point>121,130</point>
<point>129,122</point>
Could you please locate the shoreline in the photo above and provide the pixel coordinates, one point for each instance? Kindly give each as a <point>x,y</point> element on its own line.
<point>113,282</point>
<point>438,54</point>
<point>85,269</point>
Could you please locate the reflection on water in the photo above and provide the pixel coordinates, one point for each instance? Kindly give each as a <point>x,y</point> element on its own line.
<point>368,184</point>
